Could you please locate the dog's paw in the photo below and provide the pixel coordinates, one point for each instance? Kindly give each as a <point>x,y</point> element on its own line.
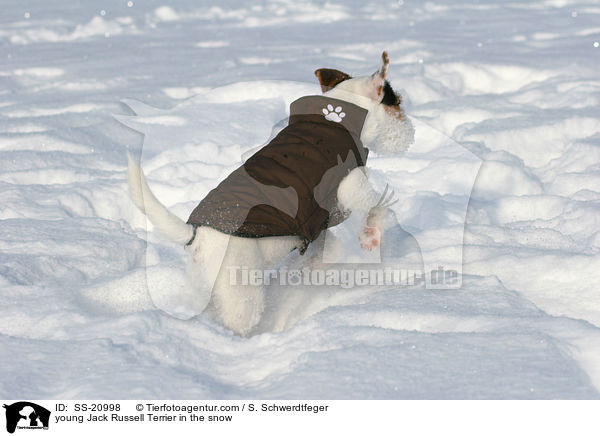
<point>369,238</point>
<point>332,114</point>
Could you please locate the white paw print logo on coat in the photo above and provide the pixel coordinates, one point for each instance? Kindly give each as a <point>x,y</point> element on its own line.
<point>334,115</point>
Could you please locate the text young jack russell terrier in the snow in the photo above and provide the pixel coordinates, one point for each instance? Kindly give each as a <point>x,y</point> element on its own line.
<point>310,177</point>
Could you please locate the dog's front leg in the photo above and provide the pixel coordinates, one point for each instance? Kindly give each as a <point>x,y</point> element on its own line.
<point>356,194</point>
<point>376,222</point>
<point>371,233</point>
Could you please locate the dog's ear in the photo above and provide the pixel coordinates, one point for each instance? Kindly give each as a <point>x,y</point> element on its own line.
<point>385,61</point>
<point>378,78</point>
<point>328,78</point>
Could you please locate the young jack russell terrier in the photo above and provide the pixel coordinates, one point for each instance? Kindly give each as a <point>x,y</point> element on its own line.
<point>310,177</point>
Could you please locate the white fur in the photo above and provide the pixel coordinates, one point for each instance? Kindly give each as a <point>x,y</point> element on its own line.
<point>355,192</point>
<point>166,223</point>
<point>213,254</point>
<point>382,133</point>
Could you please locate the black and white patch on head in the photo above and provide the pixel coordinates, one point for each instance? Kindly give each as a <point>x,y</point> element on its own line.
<point>390,98</point>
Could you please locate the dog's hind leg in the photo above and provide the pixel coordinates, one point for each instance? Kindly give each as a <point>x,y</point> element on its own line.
<point>207,252</point>
<point>238,293</point>
<point>274,249</point>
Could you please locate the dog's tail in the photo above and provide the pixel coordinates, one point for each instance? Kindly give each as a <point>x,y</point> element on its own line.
<point>167,224</point>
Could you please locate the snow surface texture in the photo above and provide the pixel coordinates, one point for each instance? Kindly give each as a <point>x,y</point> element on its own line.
<point>516,84</point>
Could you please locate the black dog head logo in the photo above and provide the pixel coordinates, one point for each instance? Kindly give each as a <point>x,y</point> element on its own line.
<point>31,415</point>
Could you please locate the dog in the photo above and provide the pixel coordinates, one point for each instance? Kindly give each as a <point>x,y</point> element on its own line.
<point>310,177</point>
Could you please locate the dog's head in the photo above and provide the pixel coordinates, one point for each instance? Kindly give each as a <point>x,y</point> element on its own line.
<point>387,129</point>
<point>374,87</point>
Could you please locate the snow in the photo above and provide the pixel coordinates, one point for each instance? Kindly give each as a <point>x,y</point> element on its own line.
<point>94,305</point>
